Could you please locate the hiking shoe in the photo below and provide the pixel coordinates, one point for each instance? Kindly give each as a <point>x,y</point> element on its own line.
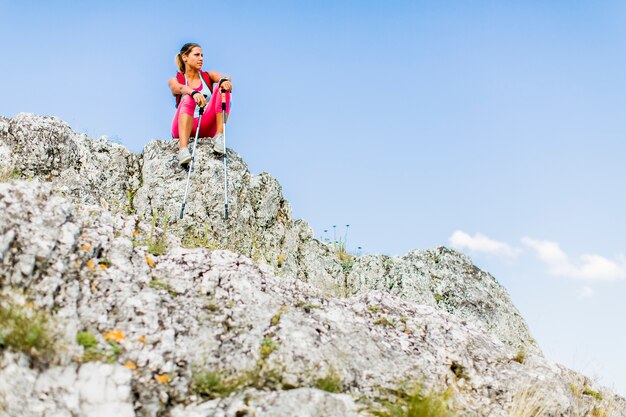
<point>184,157</point>
<point>218,144</point>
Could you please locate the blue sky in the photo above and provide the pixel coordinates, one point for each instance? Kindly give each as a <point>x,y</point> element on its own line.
<point>496,128</point>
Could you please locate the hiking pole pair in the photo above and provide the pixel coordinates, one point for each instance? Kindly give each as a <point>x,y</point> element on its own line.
<point>193,156</point>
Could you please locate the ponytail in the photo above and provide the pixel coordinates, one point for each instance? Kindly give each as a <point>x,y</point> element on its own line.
<point>183,51</point>
<point>178,59</point>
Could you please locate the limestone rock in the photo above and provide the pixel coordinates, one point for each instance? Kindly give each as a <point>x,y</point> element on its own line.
<point>260,225</point>
<point>171,324</point>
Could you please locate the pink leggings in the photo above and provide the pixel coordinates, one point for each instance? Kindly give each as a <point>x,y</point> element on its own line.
<point>209,123</point>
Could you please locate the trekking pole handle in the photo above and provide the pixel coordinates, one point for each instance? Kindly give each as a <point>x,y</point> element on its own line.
<point>219,83</point>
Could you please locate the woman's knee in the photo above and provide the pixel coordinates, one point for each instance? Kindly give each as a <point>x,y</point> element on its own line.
<point>187,105</point>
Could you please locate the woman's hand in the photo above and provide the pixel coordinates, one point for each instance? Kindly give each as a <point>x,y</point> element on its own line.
<point>199,99</point>
<point>227,86</point>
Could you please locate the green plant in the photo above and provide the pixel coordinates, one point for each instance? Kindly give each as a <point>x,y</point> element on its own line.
<point>331,382</point>
<point>130,199</point>
<point>415,403</point>
<point>92,353</point>
<point>25,329</point>
<point>212,385</point>
<point>347,264</point>
<point>160,285</point>
<point>7,174</point>
<point>105,262</point>
<point>87,340</point>
<point>592,393</point>
<point>373,309</point>
<point>276,317</point>
<point>384,321</point>
<point>267,347</point>
<point>195,239</point>
<point>307,306</point>
<point>576,390</point>
<point>157,244</point>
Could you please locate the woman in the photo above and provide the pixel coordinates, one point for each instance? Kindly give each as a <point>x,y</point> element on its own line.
<point>192,88</point>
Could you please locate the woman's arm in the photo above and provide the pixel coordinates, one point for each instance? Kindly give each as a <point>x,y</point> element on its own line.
<point>216,77</point>
<point>178,88</point>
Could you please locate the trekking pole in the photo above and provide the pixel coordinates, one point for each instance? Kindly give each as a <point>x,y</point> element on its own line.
<point>225,150</point>
<point>193,158</point>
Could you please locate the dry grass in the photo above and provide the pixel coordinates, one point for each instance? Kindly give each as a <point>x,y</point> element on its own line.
<point>528,403</point>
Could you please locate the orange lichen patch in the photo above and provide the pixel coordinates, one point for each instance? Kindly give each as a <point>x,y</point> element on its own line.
<point>103,267</point>
<point>131,365</point>
<point>150,261</point>
<point>136,232</point>
<point>114,336</point>
<point>85,247</point>
<point>142,339</point>
<point>91,265</point>
<point>408,332</point>
<point>162,379</point>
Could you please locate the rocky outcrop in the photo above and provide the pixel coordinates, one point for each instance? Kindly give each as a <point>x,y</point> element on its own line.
<point>166,323</point>
<point>110,305</point>
<point>260,223</point>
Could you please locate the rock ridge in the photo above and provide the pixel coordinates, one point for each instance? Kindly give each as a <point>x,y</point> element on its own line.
<point>151,316</point>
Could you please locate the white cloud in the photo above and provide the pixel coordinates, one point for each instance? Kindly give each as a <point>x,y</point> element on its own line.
<point>480,243</point>
<point>585,292</point>
<point>588,267</point>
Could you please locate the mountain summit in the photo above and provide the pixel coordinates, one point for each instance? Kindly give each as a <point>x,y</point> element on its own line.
<point>112,305</point>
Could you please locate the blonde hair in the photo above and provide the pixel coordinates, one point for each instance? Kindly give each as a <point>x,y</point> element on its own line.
<point>185,50</point>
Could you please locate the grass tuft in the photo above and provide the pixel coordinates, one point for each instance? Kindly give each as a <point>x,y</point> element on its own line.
<point>157,243</point>
<point>331,382</point>
<point>520,357</point>
<point>384,321</point>
<point>592,393</point>
<point>416,403</point>
<point>26,329</point>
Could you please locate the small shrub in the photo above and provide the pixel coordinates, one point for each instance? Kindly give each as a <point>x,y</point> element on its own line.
<point>26,330</point>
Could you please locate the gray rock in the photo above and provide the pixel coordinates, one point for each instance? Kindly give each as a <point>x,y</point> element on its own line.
<point>176,327</point>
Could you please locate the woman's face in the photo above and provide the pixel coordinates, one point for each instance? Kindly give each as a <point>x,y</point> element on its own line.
<point>194,59</point>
